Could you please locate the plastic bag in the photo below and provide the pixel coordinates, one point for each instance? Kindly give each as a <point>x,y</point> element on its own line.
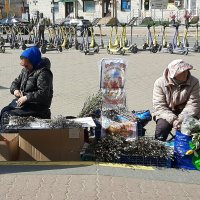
<point>181,146</point>
<point>190,125</point>
<point>125,128</point>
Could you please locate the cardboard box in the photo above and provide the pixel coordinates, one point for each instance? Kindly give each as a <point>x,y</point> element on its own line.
<point>9,146</point>
<point>51,144</point>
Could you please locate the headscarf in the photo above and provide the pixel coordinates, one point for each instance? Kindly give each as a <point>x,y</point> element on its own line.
<point>33,54</point>
<point>176,67</point>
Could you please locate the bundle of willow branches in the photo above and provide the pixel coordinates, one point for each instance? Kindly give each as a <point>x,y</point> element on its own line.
<point>118,111</point>
<point>56,122</point>
<point>62,122</point>
<point>91,104</point>
<point>16,121</point>
<point>111,147</point>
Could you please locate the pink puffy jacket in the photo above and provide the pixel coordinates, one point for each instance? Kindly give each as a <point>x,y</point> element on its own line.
<point>168,98</point>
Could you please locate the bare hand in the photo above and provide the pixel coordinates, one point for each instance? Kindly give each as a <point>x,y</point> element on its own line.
<point>176,124</point>
<point>21,100</point>
<point>18,93</point>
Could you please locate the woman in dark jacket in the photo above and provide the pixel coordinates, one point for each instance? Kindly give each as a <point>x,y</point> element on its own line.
<point>33,88</point>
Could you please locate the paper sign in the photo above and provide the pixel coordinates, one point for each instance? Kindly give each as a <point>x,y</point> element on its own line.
<point>112,81</point>
<point>73,133</point>
<point>159,4</point>
<point>85,121</point>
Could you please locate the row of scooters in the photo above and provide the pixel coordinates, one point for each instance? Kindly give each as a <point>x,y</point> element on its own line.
<point>14,36</point>
<point>122,45</point>
<point>176,46</point>
<point>59,38</point>
<point>62,37</point>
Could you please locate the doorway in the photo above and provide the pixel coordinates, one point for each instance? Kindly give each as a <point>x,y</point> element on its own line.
<point>106,8</point>
<point>69,9</point>
<point>141,5</point>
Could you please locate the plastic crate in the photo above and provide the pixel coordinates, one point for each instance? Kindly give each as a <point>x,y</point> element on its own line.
<point>88,157</point>
<point>87,154</point>
<point>147,161</point>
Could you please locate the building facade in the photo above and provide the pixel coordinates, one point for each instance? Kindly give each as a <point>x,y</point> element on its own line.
<point>124,10</point>
<point>9,8</point>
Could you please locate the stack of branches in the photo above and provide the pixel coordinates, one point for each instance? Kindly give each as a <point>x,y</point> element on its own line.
<point>91,104</point>
<point>56,122</point>
<point>111,147</point>
<point>122,111</point>
<point>20,122</point>
<point>62,122</point>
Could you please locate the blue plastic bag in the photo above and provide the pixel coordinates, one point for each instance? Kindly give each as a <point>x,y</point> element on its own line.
<point>181,146</point>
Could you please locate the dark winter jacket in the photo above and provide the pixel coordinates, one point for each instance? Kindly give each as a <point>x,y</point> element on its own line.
<point>36,85</point>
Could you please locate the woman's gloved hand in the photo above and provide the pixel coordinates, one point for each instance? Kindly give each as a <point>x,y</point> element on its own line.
<point>18,93</point>
<point>176,124</point>
<point>21,100</point>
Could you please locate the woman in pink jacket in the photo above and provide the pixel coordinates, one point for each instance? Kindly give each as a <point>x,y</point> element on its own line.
<point>175,95</point>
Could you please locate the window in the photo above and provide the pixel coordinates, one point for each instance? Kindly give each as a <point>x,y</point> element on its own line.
<point>88,6</point>
<point>126,5</point>
<point>146,4</point>
<point>56,7</point>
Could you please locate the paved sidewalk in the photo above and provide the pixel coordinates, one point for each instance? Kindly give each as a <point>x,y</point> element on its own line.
<point>96,182</point>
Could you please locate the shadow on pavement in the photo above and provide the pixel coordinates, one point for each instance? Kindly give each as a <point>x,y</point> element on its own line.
<point>39,169</point>
<point>3,88</point>
<point>25,163</point>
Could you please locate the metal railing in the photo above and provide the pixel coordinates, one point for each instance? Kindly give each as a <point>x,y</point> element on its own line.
<point>96,15</point>
<point>133,13</point>
<point>165,15</point>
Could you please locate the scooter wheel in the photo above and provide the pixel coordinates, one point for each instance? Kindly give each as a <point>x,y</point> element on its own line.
<point>186,52</point>
<point>23,47</point>
<point>170,49</point>
<point>76,46</point>
<point>85,52</point>
<point>181,46</point>
<point>60,49</point>
<point>122,52</point>
<point>2,49</point>
<point>97,49</point>
<point>134,50</point>
<point>43,49</point>
<point>16,46</point>
<point>154,49</point>
<point>170,45</point>
<point>198,49</point>
<point>2,41</point>
<point>144,47</point>
<point>12,46</point>
<point>81,47</point>
<point>66,46</point>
